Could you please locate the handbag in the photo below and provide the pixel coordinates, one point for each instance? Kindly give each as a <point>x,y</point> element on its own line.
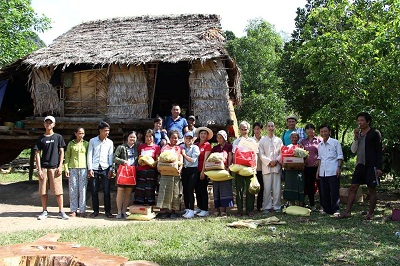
<point>126,175</point>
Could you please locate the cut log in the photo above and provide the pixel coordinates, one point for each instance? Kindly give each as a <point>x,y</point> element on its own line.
<point>47,251</point>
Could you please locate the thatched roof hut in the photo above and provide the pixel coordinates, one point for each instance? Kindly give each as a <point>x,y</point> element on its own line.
<point>131,68</point>
<point>120,62</point>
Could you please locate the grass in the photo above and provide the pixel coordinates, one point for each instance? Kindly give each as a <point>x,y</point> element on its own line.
<point>317,240</point>
<point>13,177</point>
<point>314,240</point>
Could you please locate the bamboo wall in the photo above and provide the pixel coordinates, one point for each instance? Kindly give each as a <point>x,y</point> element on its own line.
<point>127,92</point>
<point>86,94</point>
<point>209,92</point>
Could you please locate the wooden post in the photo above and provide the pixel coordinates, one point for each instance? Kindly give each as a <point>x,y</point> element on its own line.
<point>31,164</point>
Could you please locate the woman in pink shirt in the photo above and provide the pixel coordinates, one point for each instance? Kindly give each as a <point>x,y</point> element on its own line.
<point>310,144</point>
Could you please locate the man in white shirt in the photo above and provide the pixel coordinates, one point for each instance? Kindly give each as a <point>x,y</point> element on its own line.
<point>100,159</point>
<point>269,150</point>
<point>330,158</point>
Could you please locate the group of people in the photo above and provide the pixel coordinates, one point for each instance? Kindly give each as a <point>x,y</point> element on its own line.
<point>95,161</point>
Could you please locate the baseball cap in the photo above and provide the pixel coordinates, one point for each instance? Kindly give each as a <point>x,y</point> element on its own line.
<point>189,134</point>
<point>49,117</point>
<point>192,117</point>
<point>223,134</point>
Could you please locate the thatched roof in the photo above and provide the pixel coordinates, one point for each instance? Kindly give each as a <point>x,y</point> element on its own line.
<point>136,40</point>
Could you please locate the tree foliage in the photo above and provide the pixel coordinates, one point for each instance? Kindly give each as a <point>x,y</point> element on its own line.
<point>343,59</point>
<point>258,54</point>
<point>18,29</point>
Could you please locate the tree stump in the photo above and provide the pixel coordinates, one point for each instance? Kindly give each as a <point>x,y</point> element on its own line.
<point>46,251</point>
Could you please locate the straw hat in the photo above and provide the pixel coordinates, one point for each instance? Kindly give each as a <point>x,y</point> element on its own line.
<point>209,131</point>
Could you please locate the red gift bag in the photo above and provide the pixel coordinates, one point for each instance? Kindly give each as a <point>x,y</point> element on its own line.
<point>287,151</point>
<point>246,158</point>
<point>126,175</point>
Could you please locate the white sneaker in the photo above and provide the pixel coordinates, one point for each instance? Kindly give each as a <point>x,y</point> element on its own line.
<point>196,211</point>
<point>62,215</point>
<point>189,214</point>
<point>186,211</point>
<point>119,216</point>
<point>203,213</point>
<point>43,215</point>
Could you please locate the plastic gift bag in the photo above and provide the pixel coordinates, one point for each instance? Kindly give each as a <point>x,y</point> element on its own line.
<point>246,158</point>
<point>254,187</point>
<point>126,175</point>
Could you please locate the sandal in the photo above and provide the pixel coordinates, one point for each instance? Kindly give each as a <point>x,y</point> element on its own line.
<point>343,215</point>
<point>72,214</point>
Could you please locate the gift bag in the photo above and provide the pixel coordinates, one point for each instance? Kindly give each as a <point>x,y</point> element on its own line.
<point>126,175</point>
<point>254,187</point>
<point>247,158</point>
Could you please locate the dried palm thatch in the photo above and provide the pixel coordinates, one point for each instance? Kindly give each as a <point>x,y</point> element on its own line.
<point>42,92</point>
<point>209,91</point>
<point>136,40</point>
<point>127,92</point>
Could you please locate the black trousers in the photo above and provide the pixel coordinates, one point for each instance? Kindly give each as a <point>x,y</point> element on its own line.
<point>260,195</point>
<point>309,186</point>
<point>202,193</point>
<point>189,180</point>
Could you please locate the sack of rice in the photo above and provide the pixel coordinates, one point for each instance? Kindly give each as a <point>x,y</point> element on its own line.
<point>168,156</point>
<point>297,210</point>
<point>146,160</point>
<point>236,167</point>
<point>216,157</point>
<point>218,175</point>
<point>247,171</point>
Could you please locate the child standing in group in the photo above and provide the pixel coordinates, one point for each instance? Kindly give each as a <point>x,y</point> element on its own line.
<point>222,190</point>
<point>160,134</point>
<point>49,155</point>
<point>168,196</point>
<point>190,153</point>
<point>76,170</point>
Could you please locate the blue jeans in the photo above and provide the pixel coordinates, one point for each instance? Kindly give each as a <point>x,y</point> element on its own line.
<point>95,184</point>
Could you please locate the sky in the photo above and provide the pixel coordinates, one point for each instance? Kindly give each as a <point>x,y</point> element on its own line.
<point>235,15</point>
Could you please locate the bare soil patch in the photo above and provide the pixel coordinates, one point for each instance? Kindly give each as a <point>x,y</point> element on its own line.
<point>20,205</point>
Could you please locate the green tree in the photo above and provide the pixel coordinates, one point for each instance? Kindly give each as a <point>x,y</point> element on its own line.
<point>18,29</point>
<point>343,59</point>
<point>258,54</point>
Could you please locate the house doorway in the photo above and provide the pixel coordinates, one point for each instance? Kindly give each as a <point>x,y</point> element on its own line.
<point>172,86</point>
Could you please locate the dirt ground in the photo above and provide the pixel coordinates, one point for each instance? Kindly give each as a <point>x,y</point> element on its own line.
<point>20,205</point>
